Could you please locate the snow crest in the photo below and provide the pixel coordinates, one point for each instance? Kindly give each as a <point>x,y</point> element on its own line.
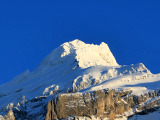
<point>86,55</point>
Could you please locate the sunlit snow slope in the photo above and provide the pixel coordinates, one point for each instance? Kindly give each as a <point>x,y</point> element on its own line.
<point>77,66</point>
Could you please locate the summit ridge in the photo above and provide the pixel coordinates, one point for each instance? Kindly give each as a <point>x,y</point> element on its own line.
<point>86,55</point>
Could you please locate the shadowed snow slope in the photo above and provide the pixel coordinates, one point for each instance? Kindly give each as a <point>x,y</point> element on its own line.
<point>76,66</point>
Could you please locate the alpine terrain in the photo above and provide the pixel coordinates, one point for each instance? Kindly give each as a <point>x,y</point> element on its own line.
<point>79,81</point>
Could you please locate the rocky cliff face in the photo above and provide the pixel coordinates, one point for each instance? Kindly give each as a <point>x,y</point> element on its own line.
<point>101,103</point>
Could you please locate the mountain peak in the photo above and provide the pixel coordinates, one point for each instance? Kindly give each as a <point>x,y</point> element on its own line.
<point>86,55</point>
<point>62,71</point>
<point>74,42</point>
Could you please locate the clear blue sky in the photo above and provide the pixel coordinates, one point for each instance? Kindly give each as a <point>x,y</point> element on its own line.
<point>31,29</point>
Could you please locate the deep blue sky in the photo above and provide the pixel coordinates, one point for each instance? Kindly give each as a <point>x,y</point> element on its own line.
<point>31,29</point>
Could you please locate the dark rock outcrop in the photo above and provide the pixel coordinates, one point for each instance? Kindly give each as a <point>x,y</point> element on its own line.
<point>101,103</point>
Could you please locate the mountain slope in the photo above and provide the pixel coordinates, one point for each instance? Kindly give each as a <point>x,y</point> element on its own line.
<point>76,66</point>
<point>56,69</point>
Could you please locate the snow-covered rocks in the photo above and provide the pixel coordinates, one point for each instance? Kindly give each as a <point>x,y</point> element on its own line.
<point>77,67</point>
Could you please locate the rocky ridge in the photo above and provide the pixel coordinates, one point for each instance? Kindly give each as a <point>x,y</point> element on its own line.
<point>102,103</point>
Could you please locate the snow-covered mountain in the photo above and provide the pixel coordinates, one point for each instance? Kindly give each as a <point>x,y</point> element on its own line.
<point>76,67</point>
